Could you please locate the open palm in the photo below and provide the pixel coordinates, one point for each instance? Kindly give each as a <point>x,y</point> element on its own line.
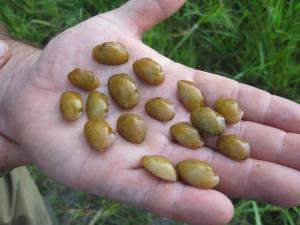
<point>59,148</point>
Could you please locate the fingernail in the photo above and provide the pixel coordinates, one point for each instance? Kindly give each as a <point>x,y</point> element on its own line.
<point>3,49</point>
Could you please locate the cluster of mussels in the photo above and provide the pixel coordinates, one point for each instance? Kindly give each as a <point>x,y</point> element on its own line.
<point>133,128</point>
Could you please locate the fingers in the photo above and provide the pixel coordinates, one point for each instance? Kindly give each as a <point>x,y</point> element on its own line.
<point>11,155</point>
<point>173,200</point>
<point>250,179</point>
<point>258,105</point>
<point>107,177</point>
<point>4,53</point>
<point>267,143</point>
<point>144,14</point>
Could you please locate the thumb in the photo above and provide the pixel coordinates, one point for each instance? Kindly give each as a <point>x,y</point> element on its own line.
<point>144,14</point>
<point>4,53</point>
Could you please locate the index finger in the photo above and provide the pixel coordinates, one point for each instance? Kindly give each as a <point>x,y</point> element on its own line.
<point>258,105</point>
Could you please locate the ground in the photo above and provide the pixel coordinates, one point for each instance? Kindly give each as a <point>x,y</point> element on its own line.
<point>256,42</point>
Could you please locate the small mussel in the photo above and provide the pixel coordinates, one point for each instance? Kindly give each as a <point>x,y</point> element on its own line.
<point>160,167</point>
<point>96,105</point>
<point>123,90</point>
<point>197,173</point>
<point>233,147</point>
<point>229,109</point>
<point>99,134</point>
<point>160,109</point>
<point>132,127</point>
<point>149,71</point>
<point>190,96</point>
<point>83,79</point>
<point>111,53</point>
<point>71,105</point>
<point>207,121</point>
<point>186,135</point>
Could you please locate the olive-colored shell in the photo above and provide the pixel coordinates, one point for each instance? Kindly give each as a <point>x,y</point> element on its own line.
<point>96,105</point>
<point>160,109</point>
<point>71,105</point>
<point>230,109</point>
<point>111,53</point>
<point>84,79</point>
<point>186,135</point>
<point>190,96</point>
<point>149,71</point>
<point>123,90</point>
<point>160,167</point>
<point>197,173</point>
<point>99,134</point>
<point>207,121</point>
<point>132,127</point>
<point>233,147</point>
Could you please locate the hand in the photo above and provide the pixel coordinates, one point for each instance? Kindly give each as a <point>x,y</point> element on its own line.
<point>60,150</point>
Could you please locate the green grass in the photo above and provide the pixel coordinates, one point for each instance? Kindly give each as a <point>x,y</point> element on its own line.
<point>255,42</point>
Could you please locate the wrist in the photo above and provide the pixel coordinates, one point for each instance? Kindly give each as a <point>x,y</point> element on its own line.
<point>11,156</point>
<point>13,77</point>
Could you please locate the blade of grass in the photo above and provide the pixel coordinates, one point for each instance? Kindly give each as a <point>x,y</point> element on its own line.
<point>256,213</point>
<point>96,217</point>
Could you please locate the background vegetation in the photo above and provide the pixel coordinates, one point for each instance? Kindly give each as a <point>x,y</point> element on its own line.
<point>253,41</point>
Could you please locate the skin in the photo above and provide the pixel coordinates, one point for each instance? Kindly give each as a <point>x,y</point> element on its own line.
<point>11,155</point>
<point>30,117</point>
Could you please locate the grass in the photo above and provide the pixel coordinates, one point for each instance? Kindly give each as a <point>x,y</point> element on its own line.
<point>253,41</point>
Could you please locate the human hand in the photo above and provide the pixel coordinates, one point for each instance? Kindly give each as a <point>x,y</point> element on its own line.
<point>59,148</point>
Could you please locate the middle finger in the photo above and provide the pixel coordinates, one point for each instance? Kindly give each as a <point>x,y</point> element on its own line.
<point>267,143</point>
